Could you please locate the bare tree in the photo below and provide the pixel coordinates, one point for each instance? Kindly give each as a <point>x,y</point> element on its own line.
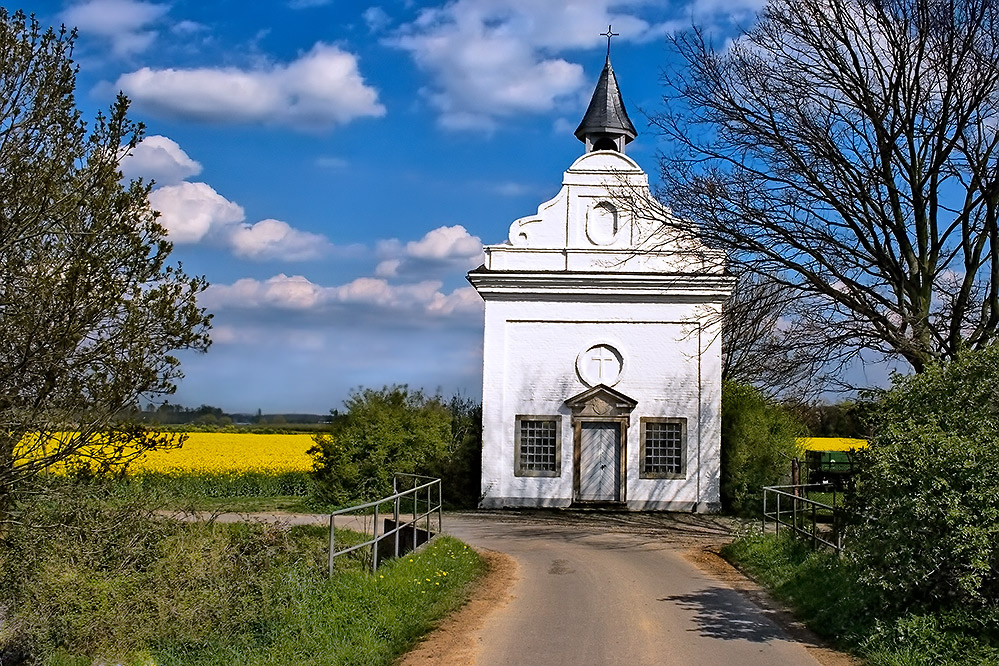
<point>849,150</point>
<point>767,341</point>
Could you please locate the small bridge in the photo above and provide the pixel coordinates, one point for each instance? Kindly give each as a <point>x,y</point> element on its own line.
<point>408,527</point>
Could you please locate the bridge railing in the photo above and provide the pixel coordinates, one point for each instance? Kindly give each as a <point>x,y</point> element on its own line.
<point>411,508</point>
<point>791,507</point>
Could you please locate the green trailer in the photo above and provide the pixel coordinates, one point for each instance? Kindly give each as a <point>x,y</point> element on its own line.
<point>834,467</point>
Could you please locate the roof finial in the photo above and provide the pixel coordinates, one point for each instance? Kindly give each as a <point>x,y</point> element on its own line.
<point>608,35</point>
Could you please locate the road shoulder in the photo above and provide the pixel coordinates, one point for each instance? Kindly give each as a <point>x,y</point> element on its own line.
<point>455,642</point>
<point>708,559</point>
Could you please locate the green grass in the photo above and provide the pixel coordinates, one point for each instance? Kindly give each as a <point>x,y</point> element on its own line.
<point>354,619</point>
<point>118,585</point>
<point>239,492</point>
<point>196,487</point>
<point>252,504</point>
<point>823,591</point>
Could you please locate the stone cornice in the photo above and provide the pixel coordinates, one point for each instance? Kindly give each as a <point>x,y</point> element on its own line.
<point>599,286</point>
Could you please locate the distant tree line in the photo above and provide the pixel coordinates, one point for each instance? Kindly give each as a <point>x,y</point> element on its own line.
<point>170,414</point>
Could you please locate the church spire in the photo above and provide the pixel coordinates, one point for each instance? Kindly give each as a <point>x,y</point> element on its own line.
<point>605,125</point>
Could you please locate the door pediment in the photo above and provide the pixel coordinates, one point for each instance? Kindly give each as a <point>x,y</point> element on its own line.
<point>601,401</point>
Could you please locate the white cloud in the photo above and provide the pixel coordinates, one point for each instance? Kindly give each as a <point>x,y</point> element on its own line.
<point>445,243</point>
<point>511,189</point>
<point>321,89</point>
<point>189,211</point>
<point>160,159</point>
<point>490,59</point>
<point>388,268</point>
<point>738,9</point>
<point>274,239</point>
<point>463,299</point>
<point>194,212</point>
<point>124,23</point>
<point>188,28</point>
<point>331,162</point>
<point>451,247</point>
<point>283,292</point>
<point>376,18</point>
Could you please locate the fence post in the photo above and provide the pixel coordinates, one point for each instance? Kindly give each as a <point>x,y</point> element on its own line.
<point>764,510</point>
<point>440,507</point>
<point>839,532</point>
<point>815,527</point>
<point>374,546</point>
<point>794,513</point>
<point>332,518</point>
<point>777,515</point>
<point>395,512</point>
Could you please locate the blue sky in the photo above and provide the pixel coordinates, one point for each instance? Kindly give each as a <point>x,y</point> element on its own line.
<point>333,168</point>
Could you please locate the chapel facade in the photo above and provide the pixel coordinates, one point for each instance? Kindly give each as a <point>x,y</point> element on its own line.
<point>602,345</point>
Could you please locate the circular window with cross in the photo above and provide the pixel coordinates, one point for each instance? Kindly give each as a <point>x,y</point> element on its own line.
<point>600,364</point>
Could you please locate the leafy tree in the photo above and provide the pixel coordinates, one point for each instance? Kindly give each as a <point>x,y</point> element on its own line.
<point>758,441</point>
<point>90,308</point>
<point>927,494</point>
<point>460,471</point>
<point>848,149</point>
<point>393,429</point>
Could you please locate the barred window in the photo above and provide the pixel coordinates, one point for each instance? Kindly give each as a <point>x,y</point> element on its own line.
<point>538,447</point>
<point>664,447</point>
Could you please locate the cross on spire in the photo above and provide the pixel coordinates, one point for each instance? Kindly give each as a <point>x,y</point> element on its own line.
<point>608,35</point>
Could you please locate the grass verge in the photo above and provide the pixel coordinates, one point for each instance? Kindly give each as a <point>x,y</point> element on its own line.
<point>116,584</point>
<point>824,592</point>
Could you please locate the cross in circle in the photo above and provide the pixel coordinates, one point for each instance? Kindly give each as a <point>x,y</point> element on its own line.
<point>608,35</point>
<point>600,356</point>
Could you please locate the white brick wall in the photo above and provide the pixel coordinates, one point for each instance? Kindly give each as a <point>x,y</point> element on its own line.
<point>536,324</point>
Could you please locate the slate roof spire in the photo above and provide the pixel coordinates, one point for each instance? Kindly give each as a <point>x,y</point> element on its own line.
<point>605,125</point>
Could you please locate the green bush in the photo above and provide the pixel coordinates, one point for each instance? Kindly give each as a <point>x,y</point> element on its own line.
<point>927,494</point>
<point>821,587</point>
<point>758,442</point>
<point>460,472</point>
<point>380,432</point>
<point>827,594</point>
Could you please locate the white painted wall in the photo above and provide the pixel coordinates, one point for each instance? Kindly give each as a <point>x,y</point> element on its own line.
<point>580,274</point>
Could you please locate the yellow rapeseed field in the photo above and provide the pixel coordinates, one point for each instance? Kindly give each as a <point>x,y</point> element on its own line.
<point>222,452</point>
<point>213,453</point>
<point>831,443</point>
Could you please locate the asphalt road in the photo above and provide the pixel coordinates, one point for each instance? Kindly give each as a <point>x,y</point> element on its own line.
<point>609,589</point>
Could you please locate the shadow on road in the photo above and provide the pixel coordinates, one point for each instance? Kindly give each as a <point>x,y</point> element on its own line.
<point>721,613</point>
<point>652,530</point>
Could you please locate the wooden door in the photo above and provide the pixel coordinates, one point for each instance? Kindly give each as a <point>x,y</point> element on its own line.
<point>599,462</point>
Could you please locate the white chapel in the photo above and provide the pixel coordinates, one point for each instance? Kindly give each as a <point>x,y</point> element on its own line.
<point>602,350</point>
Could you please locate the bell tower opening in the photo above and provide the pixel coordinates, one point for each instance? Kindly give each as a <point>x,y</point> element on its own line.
<point>605,144</point>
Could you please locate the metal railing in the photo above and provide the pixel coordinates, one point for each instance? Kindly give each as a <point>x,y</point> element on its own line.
<point>789,506</point>
<point>422,509</point>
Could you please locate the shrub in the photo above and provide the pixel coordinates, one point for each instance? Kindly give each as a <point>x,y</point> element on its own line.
<point>381,432</point>
<point>758,440</point>
<point>825,593</point>
<point>460,472</point>
<point>927,493</point>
